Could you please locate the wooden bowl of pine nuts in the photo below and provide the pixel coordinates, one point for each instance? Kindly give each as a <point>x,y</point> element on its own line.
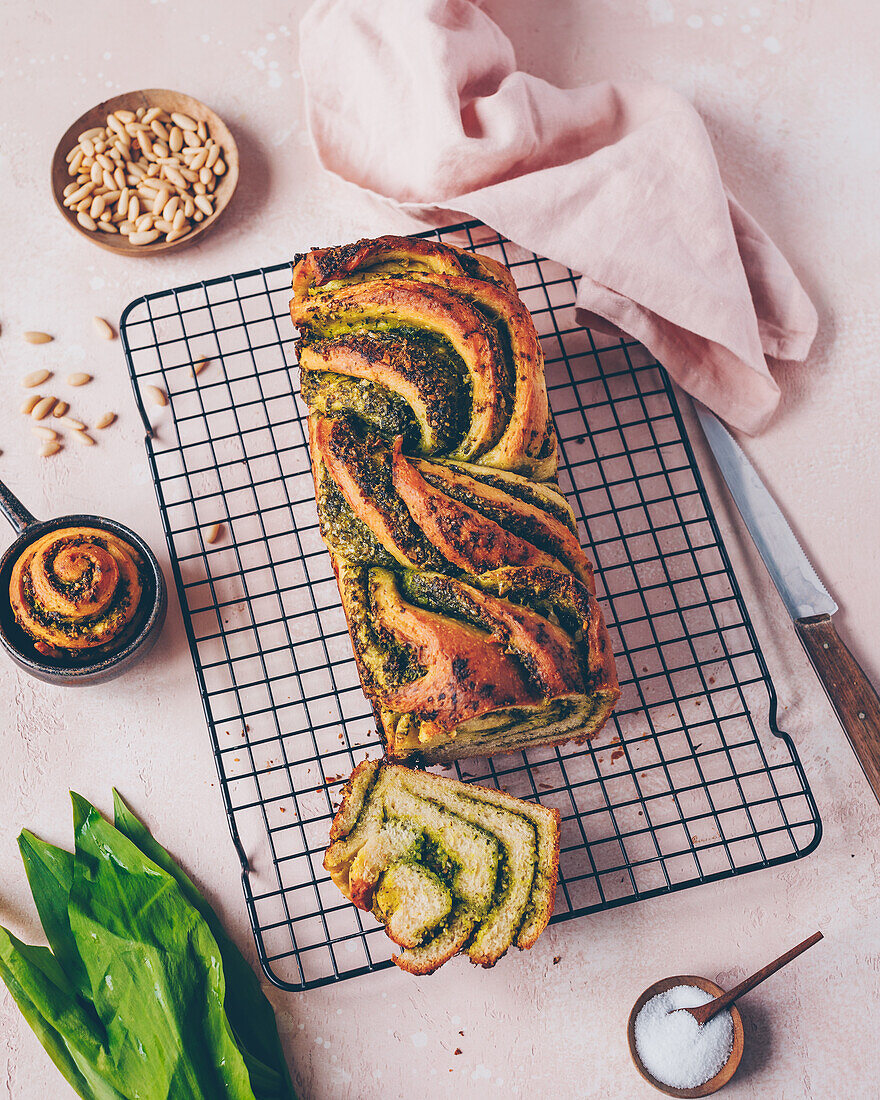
<point>145,172</point>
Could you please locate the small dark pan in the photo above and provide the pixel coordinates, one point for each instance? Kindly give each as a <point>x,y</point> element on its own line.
<point>105,666</point>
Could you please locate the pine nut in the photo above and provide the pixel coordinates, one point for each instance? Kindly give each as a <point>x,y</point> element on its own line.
<point>144,238</point>
<point>176,234</point>
<point>143,223</point>
<point>157,396</point>
<point>204,204</point>
<point>60,409</point>
<point>219,167</point>
<point>50,447</point>
<point>125,116</point>
<point>103,329</point>
<point>202,130</point>
<point>86,221</point>
<point>192,140</point>
<point>31,403</point>
<point>87,146</point>
<point>105,421</point>
<point>199,188</point>
<point>160,201</point>
<point>213,154</point>
<point>104,161</point>
<point>159,130</point>
<point>86,440</point>
<point>78,378</point>
<point>44,433</point>
<point>76,425</point>
<point>199,159</point>
<point>198,216</point>
<point>109,180</point>
<point>81,192</point>
<point>206,176</point>
<point>214,532</point>
<point>179,220</point>
<point>38,337</point>
<point>197,368</point>
<point>83,206</point>
<point>43,407</point>
<point>134,208</point>
<point>35,378</point>
<point>119,178</point>
<point>183,121</point>
<point>69,189</point>
<point>150,114</point>
<point>163,226</point>
<point>107,227</point>
<point>97,207</point>
<point>86,135</point>
<point>189,207</point>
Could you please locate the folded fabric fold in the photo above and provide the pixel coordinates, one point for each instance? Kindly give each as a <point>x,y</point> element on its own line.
<point>420,101</point>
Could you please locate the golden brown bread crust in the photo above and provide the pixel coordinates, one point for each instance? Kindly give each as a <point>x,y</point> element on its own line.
<point>398,336</point>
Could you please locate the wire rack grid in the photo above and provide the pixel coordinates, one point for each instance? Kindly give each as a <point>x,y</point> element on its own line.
<point>691,781</point>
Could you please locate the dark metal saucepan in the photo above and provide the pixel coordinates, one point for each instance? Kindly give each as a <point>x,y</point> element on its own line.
<point>80,670</point>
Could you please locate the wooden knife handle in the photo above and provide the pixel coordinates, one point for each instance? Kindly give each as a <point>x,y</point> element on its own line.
<point>849,689</point>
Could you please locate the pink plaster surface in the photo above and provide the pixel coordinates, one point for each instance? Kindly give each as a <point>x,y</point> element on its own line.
<point>788,90</point>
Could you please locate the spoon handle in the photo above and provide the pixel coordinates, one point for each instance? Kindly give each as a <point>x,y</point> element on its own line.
<point>748,984</point>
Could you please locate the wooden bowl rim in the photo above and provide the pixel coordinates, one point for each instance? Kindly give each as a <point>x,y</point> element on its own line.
<point>730,1066</point>
<point>225,188</point>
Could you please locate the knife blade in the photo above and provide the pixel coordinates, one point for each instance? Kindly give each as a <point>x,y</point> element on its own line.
<point>805,597</point>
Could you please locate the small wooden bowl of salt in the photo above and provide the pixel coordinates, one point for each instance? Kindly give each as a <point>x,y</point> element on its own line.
<point>698,1060</point>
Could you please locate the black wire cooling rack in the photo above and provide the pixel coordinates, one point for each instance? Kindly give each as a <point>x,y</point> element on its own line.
<point>690,782</point>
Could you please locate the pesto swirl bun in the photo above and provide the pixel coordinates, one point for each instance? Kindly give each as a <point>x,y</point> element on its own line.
<point>470,602</point>
<point>76,589</point>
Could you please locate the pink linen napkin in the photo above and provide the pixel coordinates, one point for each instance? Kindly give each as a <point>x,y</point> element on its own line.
<point>420,101</point>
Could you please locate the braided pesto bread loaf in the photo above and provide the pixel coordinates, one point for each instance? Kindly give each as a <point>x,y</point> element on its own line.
<point>445,866</point>
<point>470,603</point>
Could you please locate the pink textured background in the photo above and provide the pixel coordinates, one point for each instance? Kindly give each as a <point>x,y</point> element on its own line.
<point>788,90</point>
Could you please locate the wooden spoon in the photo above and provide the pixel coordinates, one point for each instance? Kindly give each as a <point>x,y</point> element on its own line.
<point>705,1012</point>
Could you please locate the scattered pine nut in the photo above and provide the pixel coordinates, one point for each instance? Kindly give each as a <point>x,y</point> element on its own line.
<point>28,407</point>
<point>38,337</point>
<point>103,328</point>
<point>60,409</point>
<point>44,433</point>
<point>69,422</point>
<point>43,407</point>
<point>50,447</point>
<point>157,396</point>
<point>197,368</point>
<point>214,532</point>
<point>86,440</point>
<point>35,378</point>
<point>79,378</point>
<point>106,420</point>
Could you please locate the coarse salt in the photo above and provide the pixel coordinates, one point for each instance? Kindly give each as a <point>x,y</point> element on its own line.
<point>673,1047</point>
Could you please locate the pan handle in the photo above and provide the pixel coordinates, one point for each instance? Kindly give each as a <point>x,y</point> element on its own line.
<point>14,510</point>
